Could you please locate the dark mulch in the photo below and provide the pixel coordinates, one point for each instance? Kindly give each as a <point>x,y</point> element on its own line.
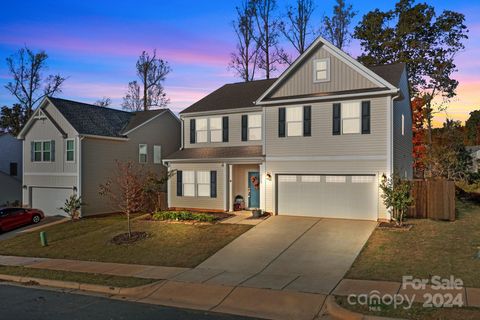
<point>125,239</point>
<point>394,227</point>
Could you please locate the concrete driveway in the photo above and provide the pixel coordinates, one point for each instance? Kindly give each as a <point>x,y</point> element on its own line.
<point>287,253</point>
<point>47,221</point>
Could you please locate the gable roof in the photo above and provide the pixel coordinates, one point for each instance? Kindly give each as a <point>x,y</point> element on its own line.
<point>390,72</point>
<point>231,96</point>
<point>89,119</point>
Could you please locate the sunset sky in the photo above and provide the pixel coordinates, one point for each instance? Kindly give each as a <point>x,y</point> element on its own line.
<point>96,44</point>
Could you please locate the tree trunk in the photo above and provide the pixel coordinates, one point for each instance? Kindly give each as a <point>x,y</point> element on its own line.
<point>145,91</point>
<point>129,227</point>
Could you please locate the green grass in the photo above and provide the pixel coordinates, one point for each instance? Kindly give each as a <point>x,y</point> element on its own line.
<point>183,216</point>
<point>429,248</point>
<point>90,278</point>
<point>417,312</point>
<point>168,244</point>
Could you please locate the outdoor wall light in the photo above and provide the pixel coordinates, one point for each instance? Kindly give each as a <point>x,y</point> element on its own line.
<point>24,186</point>
<point>74,188</point>
<point>268,175</point>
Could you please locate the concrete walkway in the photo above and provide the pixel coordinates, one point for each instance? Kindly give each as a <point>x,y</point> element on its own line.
<point>287,253</point>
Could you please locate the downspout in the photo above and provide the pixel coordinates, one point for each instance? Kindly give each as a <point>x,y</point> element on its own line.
<point>181,133</point>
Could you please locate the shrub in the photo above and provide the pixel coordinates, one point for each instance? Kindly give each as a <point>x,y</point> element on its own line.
<point>72,206</point>
<point>183,216</point>
<point>396,196</point>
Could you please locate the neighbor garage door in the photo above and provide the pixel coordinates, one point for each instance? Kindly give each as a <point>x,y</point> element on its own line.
<point>50,199</point>
<point>332,196</point>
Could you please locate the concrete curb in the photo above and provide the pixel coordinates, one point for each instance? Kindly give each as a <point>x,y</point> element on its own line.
<point>340,313</point>
<point>133,291</point>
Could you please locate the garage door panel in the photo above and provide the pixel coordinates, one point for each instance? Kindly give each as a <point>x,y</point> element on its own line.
<point>350,197</point>
<point>50,199</point>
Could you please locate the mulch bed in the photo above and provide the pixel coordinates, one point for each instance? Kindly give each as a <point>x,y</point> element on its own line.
<point>219,216</point>
<point>125,239</point>
<point>392,226</point>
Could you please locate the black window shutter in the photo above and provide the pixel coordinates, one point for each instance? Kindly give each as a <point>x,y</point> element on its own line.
<point>52,151</point>
<point>337,117</point>
<point>244,127</point>
<point>307,121</point>
<point>179,183</point>
<point>281,122</point>
<point>225,129</point>
<point>32,151</point>
<point>213,184</point>
<point>192,130</point>
<point>365,117</point>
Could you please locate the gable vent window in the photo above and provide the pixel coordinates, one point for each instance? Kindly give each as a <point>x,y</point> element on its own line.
<point>321,70</point>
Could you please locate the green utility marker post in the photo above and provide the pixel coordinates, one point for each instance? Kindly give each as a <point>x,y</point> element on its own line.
<point>43,239</point>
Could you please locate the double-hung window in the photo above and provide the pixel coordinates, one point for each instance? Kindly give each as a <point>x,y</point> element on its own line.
<point>47,151</point>
<point>216,129</point>
<point>254,127</point>
<point>321,70</point>
<point>37,151</point>
<point>70,150</point>
<point>203,183</point>
<point>294,121</point>
<point>189,183</point>
<point>157,154</point>
<point>202,130</point>
<point>142,153</point>
<point>351,117</point>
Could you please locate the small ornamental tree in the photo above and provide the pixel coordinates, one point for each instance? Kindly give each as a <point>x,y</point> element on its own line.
<point>72,206</point>
<point>396,195</point>
<point>126,189</point>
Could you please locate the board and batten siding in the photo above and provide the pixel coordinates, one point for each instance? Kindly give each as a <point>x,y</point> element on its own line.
<point>217,203</point>
<point>58,173</point>
<point>234,134</point>
<point>402,144</point>
<point>322,142</point>
<point>376,167</point>
<point>99,158</point>
<point>301,82</point>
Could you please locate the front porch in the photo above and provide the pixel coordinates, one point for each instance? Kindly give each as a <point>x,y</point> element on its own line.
<point>244,186</point>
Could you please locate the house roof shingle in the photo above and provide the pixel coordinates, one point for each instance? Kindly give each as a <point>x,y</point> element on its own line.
<point>390,72</point>
<point>217,153</point>
<point>101,121</point>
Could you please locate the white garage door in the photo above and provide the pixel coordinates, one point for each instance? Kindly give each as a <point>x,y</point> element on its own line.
<point>50,199</point>
<point>331,196</point>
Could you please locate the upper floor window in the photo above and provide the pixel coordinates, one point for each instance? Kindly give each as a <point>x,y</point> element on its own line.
<point>157,154</point>
<point>294,121</point>
<point>142,153</point>
<point>321,70</point>
<point>254,127</point>
<point>201,130</point>
<point>216,129</point>
<point>42,151</point>
<point>70,150</point>
<point>351,115</point>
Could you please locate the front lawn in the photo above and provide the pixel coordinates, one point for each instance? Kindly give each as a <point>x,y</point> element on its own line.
<point>168,244</point>
<point>429,248</point>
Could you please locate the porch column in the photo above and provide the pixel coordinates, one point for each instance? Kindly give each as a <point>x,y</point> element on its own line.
<point>230,187</point>
<point>263,186</point>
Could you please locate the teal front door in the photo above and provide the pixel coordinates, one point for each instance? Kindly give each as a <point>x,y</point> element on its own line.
<point>253,190</point>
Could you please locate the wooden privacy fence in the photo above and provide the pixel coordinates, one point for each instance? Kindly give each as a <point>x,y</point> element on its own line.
<point>433,199</point>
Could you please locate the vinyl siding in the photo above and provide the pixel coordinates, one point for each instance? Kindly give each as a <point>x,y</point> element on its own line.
<point>58,173</point>
<point>11,152</point>
<point>320,167</point>
<point>235,132</point>
<point>198,202</point>
<point>301,82</point>
<point>402,144</point>
<point>99,156</point>
<point>322,142</point>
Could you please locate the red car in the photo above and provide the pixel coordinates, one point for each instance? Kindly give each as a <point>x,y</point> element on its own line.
<point>11,218</point>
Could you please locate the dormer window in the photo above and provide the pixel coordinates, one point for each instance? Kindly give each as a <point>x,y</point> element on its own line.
<point>321,70</point>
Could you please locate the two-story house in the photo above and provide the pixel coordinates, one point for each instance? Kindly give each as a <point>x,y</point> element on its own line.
<point>10,169</point>
<point>71,147</point>
<point>313,142</point>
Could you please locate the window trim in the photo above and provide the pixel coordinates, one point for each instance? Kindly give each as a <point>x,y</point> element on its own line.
<point>197,184</point>
<point>249,126</point>
<point>327,79</point>
<point>42,150</point>
<point>359,118</point>
<point>67,150</point>
<point>287,134</point>
<point>184,183</point>
<point>158,147</point>
<point>140,154</point>
<point>209,129</point>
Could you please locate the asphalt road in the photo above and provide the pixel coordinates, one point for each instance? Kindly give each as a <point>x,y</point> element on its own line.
<point>21,303</point>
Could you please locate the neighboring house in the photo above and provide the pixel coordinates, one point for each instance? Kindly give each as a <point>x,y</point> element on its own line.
<point>10,169</point>
<point>71,147</point>
<point>475,153</point>
<point>314,142</point>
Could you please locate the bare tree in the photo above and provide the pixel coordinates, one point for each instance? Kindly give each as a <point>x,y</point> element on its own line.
<point>267,34</point>
<point>151,72</point>
<point>103,102</point>
<point>28,84</point>
<point>297,27</point>
<point>336,28</point>
<point>244,59</point>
